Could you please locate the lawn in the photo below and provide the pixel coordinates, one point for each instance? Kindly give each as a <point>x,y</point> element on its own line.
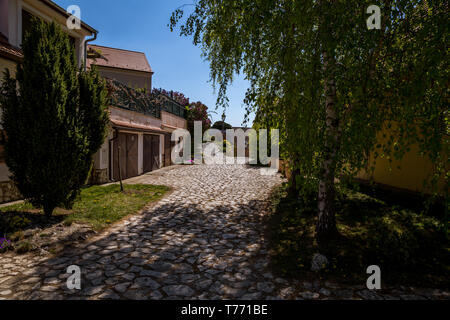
<point>410,246</point>
<point>98,206</point>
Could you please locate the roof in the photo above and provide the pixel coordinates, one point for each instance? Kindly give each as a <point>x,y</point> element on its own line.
<point>56,7</point>
<point>169,128</point>
<point>9,51</point>
<point>117,58</point>
<point>135,126</point>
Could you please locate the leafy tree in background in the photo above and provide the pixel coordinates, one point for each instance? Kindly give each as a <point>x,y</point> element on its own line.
<point>330,84</point>
<point>55,121</point>
<point>219,125</point>
<point>177,96</point>
<point>197,112</point>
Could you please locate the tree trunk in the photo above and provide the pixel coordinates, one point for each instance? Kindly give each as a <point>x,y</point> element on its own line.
<point>48,210</point>
<point>295,172</point>
<point>326,222</point>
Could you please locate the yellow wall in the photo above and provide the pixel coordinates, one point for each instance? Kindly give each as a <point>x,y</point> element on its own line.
<point>414,169</point>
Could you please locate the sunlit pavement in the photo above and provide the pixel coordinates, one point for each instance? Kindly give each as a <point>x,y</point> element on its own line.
<point>205,240</point>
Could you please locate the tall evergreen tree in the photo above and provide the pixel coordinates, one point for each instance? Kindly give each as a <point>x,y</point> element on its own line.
<point>55,119</point>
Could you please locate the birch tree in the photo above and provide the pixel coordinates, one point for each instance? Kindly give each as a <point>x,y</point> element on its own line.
<point>331,81</point>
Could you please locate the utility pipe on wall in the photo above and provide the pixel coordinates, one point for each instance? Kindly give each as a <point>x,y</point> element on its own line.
<point>85,49</point>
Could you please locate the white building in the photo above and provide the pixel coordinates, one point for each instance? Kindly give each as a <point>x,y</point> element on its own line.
<point>15,17</point>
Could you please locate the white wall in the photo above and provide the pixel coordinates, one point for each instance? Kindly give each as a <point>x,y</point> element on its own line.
<point>39,9</point>
<point>13,22</point>
<point>140,153</point>
<point>161,151</point>
<point>132,117</point>
<point>4,21</point>
<point>101,158</point>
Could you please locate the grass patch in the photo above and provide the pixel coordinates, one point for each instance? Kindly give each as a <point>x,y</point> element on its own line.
<point>101,206</point>
<point>410,247</point>
<point>98,206</point>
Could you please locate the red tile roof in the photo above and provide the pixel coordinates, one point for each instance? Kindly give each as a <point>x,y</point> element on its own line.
<point>118,58</point>
<point>8,51</point>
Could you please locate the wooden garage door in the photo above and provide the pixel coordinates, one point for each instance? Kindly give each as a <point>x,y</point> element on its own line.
<point>155,153</point>
<point>147,153</point>
<point>151,152</point>
<point>168,145</point>
<point>128,153</point>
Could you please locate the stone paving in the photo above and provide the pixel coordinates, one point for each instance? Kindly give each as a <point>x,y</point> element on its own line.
<point>205,240</point>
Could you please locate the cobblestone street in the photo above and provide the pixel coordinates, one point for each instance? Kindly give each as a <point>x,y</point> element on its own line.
<point>204,240</point>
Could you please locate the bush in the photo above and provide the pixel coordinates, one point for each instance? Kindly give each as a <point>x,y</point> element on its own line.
<point>24,247</point>
<point>219,125</point>
<point>18,223</point>
<point>12,223</point>
<point>391,245</point>
<point>410,247</point>
<point>54,122</point>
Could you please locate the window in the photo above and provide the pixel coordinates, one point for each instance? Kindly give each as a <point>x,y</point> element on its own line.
<point>26,22</point>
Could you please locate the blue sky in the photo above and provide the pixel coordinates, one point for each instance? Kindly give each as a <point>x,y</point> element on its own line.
<point>141,25</point>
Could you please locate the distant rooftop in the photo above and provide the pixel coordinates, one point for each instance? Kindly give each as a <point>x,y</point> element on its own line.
<point>117,58</point>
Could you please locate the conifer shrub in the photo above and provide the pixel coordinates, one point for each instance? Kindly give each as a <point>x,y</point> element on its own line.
<point>55,119</point>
